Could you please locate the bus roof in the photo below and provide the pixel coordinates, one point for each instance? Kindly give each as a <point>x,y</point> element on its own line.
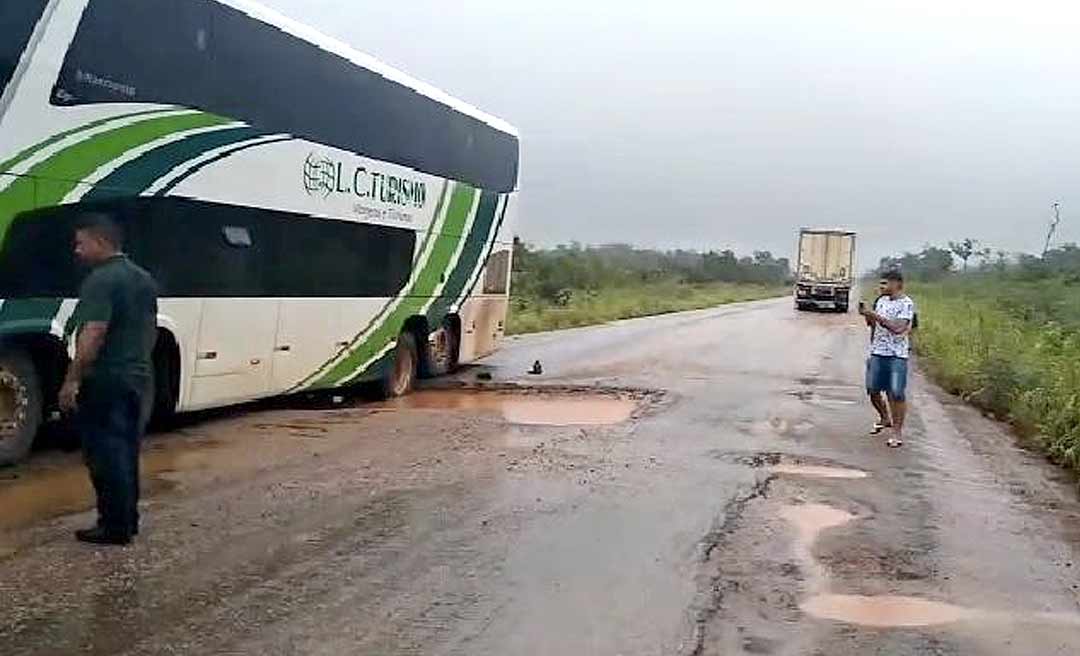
<point>341,49</point>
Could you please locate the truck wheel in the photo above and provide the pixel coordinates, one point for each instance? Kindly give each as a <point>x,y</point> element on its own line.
<point>443,350</point>
<point>20,405</point>
<point>401,378</point>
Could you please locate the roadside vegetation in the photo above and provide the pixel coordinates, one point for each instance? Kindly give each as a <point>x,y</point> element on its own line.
<point>1005,336</point>
<point>572,286</point>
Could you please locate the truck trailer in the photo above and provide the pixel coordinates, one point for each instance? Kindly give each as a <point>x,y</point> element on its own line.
<point>823,276</point>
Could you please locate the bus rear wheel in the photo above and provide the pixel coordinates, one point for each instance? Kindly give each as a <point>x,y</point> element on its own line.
<point>20,405</point>
<point>401,378</point>
<point>443,350</point>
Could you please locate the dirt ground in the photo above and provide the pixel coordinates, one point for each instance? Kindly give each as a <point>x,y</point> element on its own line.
<point>699,483</point>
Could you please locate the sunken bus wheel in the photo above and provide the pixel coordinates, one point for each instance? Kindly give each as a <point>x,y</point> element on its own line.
<point>20,404</point>
<point>442,350</point>
<point>400,377</point>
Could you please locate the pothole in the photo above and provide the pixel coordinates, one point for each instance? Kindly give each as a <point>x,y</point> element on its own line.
<point>826,400</point>
<point>810,519</point>
<point>817,471</point>
<point>885,611</point>
<point>785,465</point>
<point>56,491</point>
<point>547,409</point>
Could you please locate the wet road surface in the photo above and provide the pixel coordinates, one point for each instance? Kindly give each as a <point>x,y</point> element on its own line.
<point>699,483</point>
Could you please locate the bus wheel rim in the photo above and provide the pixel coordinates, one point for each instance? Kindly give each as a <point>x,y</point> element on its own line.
<point>14,400</point>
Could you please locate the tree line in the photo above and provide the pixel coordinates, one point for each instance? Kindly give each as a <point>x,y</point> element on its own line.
<point>552,273</point>
<point>968,255</point>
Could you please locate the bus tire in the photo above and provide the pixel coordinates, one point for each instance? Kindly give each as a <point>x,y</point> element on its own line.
<point>443,350</point>
<point>21,405</point>
<point>401,376</point>
<point>166,389</point>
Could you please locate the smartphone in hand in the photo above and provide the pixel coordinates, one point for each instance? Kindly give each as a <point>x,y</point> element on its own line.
<point>862,307</point>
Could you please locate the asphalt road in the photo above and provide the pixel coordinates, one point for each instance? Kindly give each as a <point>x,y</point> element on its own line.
<point>699,483</point>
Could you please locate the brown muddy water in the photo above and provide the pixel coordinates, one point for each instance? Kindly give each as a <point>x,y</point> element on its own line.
<point>885,611</point>
<point>525,409</point>
<point>810,519</point>
<point>816,471</point>
<point>63,488</point>
<point>52,485</point>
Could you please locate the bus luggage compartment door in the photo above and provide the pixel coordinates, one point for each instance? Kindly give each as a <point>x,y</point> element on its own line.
<point>233,360</point>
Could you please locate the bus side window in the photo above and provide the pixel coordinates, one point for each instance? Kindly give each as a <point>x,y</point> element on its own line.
<point>17,22</point>
<point>497,274</point>
<point>139,51</point>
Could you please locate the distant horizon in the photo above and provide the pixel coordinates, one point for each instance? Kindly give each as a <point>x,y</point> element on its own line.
<point>730,125</point>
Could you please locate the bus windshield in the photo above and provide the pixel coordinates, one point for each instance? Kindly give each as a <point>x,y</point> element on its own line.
<point>17,22</point>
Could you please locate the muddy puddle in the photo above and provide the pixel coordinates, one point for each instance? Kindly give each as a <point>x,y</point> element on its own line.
<point>885,611</point>
<point>63,488</point>
<point>525,409</point>
<point>817,471</point>
<point>810,519</point>
<point>54,485</point>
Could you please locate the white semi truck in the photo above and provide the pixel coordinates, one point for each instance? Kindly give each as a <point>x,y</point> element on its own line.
<point>824,273</point>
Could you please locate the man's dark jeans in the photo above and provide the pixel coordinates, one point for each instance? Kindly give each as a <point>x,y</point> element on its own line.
<point>111,420</point>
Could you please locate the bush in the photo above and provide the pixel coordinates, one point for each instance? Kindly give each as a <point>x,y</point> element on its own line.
<point>1011,345</point>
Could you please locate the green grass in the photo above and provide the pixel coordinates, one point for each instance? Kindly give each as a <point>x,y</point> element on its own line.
<point>1011,347</point>
<point>530,314</point>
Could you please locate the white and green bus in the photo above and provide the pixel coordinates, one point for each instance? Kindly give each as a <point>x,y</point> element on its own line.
<point>313,217</point>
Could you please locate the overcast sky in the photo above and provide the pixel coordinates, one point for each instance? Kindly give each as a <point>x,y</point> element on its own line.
<point>709,124</point>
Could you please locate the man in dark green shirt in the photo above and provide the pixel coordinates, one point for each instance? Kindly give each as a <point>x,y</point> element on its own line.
<point>109,382</point>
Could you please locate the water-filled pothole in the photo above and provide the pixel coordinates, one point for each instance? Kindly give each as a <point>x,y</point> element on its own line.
<point>810,519</point>
<point>539,409</point>
<point>885,611</point>
<point>816,471</point>
<point>54,491</point>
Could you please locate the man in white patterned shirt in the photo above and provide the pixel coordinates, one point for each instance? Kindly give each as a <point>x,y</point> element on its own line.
<point>890,347</point>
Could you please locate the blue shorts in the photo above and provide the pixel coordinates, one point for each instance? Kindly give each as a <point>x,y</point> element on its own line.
<point>887,374</point>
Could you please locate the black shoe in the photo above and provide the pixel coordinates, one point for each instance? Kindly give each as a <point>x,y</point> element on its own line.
<point>134,531</point>
<point>99,535</point>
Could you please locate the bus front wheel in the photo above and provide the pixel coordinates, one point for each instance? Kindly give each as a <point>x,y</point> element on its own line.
<point>20,405</point>
<point>166,389</point>
<point>401,377</point>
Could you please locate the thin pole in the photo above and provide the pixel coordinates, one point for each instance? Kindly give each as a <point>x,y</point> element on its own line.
<point>1053,228</point>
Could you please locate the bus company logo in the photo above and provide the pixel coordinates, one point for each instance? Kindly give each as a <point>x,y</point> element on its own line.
<point>325,176</point>
<point>320,175</point>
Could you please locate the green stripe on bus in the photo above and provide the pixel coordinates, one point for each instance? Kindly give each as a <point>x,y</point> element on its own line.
<point>29,315</point>
<point>469,259</point>
<point>136,176</point>
<point>27,153</point>
<point>431,232</point>
<point>57,176</point>
<point>378,318</point>
<point>429,279</point>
